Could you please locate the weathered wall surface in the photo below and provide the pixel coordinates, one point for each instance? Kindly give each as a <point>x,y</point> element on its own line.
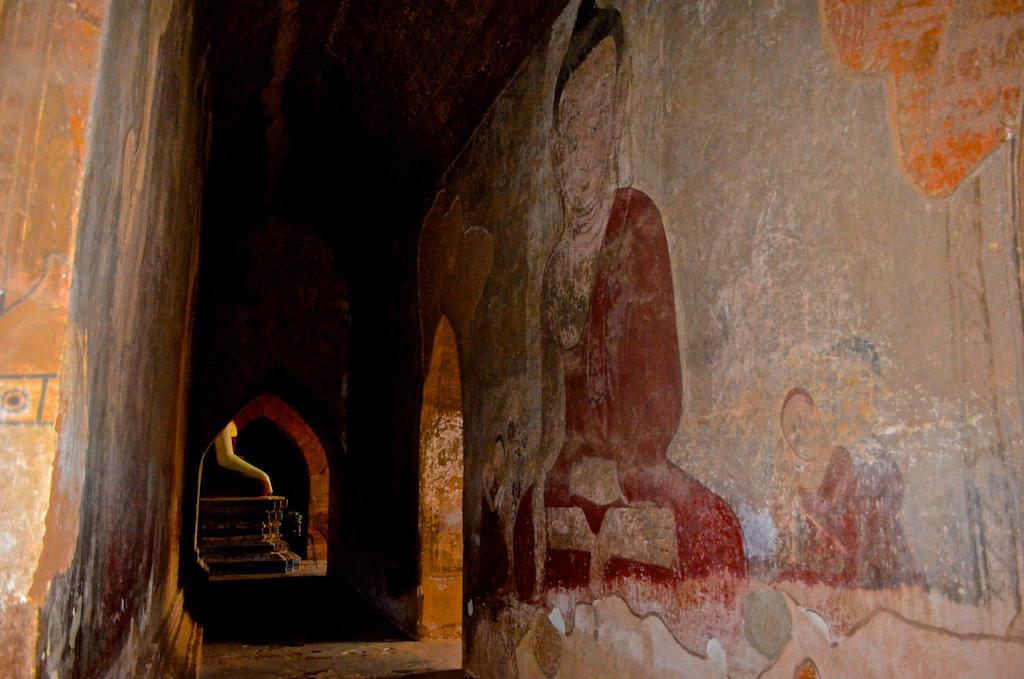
<point>755,319</point>
<point>128,230</point>
<point>441,491</point>
<point>49,55</point>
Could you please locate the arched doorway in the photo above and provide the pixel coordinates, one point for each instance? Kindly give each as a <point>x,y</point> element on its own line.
<point>441,470</point>
<point>264,445</point>
<point>272,409</point>
<point>274,438</point>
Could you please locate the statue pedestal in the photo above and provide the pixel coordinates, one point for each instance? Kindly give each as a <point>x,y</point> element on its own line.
<point>242,535</point>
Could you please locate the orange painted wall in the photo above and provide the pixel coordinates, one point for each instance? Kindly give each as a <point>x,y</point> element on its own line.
<point>953,76</point>
<point>49,55</point>
<point>100,170</point>
<point>441,491</point>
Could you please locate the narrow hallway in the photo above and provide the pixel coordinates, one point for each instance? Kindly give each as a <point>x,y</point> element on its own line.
<point>511,339</point>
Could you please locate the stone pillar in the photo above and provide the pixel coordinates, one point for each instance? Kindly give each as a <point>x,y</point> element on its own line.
<point>49,53</point>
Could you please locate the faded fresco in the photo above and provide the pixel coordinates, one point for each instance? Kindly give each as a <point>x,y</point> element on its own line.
<point>953,74</point>
<point>101,154</point>
<point>742,387</point>
<point>454,262</point>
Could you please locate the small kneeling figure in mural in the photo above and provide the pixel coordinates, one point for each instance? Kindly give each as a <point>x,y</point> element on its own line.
<point>843,522</point>
<point>616,509</point>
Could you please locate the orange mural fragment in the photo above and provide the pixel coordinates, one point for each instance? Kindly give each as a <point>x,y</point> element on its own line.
<point>954,74</point>
<point>45,90</point>
<point>806,670</point>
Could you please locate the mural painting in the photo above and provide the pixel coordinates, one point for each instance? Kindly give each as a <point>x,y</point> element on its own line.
<point>953,71</point>
<point>743,394</point>
<point>841,526</point>
<point>506,518</point>
<point>614,513</point>
<point>33,323</point>
<point>616,509</point>
<point>51,56</point>
<point>454,263</point>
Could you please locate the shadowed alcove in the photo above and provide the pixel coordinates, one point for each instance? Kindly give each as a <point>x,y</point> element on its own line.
<point>441,470</point>
<point>272,437</point>
<point>268,417</point>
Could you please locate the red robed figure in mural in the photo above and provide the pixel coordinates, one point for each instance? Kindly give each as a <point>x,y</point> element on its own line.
<point>623,396</point>
<point>615,507</point>
<point>843,528</point>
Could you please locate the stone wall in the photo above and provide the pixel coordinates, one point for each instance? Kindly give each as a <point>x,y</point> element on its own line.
<point>754,314</point>
<point>100,208</point>
<point>49,55</point>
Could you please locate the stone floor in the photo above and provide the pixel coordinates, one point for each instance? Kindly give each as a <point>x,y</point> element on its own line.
<point>334,660</point>
<point>308,628</point>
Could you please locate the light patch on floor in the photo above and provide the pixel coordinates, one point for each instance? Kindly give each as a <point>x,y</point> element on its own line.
<point>333,660</point>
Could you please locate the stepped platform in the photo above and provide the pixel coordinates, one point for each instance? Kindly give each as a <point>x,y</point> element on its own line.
<point>242,535</point>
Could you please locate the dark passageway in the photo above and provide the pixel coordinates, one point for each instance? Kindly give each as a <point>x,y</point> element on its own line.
<point>525,339</point>
<point>246,181</point>
<point>331,123</point>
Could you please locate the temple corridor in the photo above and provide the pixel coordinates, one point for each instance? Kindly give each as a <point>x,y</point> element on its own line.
<point>533,339</point>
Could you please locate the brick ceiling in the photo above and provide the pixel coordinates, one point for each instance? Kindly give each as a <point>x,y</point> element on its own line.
<point>433,67</point>
<point>406,80</point>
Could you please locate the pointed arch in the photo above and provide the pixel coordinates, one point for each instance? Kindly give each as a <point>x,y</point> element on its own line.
<point>441,481</point>
<point>302,435</point>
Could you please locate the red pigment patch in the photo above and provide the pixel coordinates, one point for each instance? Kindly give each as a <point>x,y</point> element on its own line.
<point>623,395</point>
